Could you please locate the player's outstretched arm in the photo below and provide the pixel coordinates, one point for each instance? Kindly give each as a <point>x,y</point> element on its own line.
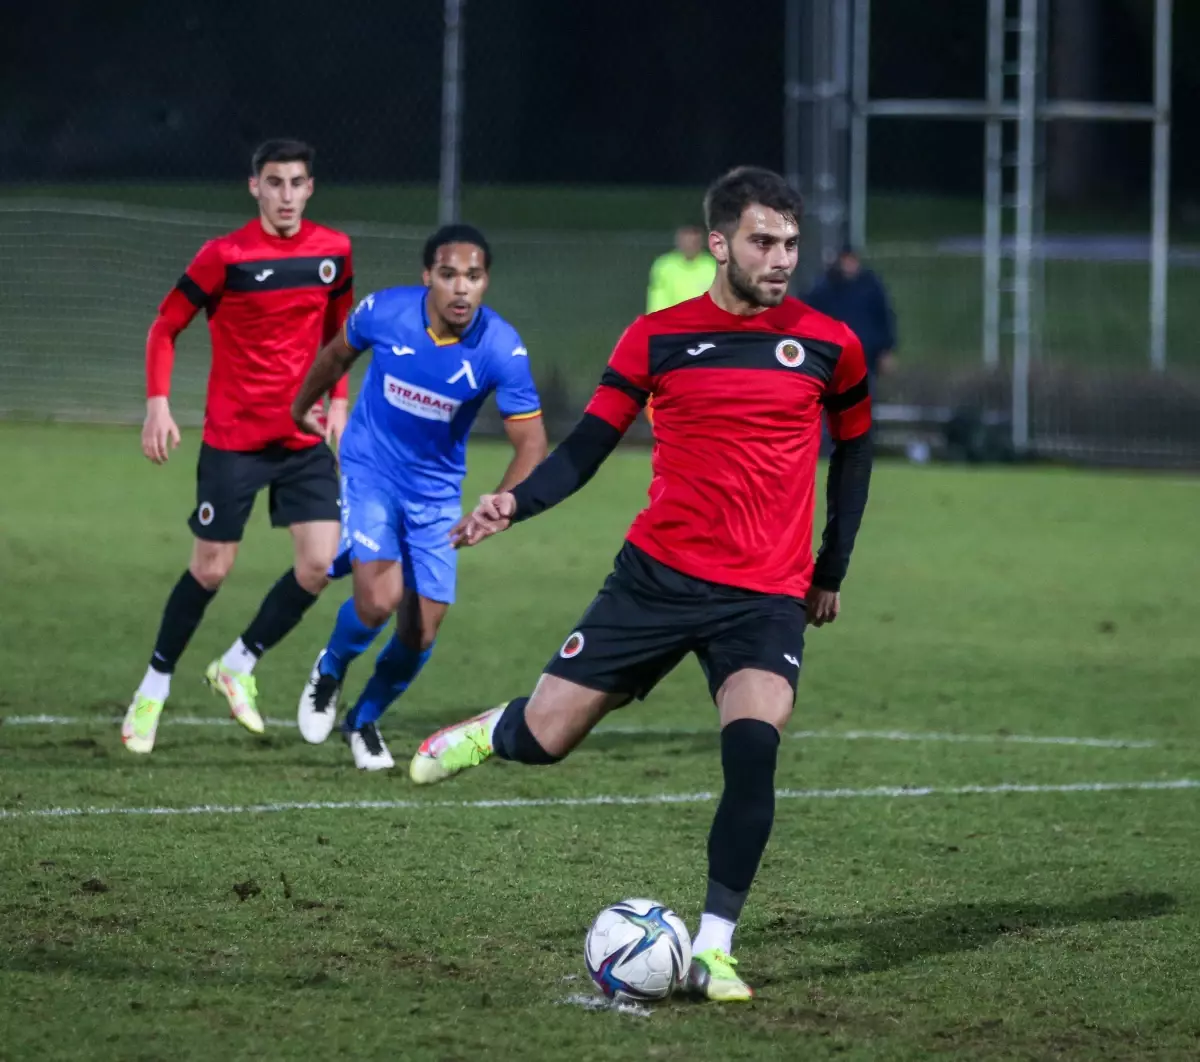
<point>623,391</point>
<point>572,464</point>
<point>331,364</point>
<point>492,515</point>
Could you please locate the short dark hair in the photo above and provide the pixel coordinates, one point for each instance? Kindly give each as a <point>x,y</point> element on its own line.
<point>281,150</point>
<point>728,197</point>
<point>456,234</point>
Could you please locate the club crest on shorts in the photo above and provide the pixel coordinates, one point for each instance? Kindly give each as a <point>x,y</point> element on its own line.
<point>327,270</point>
<point>790,354</point>
<point>572,647</point>
<point>205,513</point>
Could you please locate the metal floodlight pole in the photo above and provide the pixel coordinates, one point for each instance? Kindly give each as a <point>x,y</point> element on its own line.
<point>450,177</point>
<point>1160,233</point>
<point>838,111</point>
<point>1041,168</point>
<point>1023,244</point>
<point>993,185</point>
<point>822,132</point>
<point>793,92</point>
<point>860,84</point>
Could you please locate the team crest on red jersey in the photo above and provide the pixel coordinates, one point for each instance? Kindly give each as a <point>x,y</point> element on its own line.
<point>572,647</point>
<point>327,271</point>
<point>789,353</point>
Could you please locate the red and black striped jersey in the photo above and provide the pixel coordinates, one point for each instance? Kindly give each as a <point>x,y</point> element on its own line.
<point>738,402</point>
<point>271,303</point>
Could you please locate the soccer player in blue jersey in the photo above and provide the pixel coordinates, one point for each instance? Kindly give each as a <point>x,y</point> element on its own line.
<point>436,354</point>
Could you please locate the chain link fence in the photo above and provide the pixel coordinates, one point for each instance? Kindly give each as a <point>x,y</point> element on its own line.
<point>116,163</point>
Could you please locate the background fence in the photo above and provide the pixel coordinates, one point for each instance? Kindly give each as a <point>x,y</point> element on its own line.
<point>108,191</point>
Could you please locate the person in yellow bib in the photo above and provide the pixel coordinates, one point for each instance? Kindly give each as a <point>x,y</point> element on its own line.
<point>679,275</point>
<point>683,273</point>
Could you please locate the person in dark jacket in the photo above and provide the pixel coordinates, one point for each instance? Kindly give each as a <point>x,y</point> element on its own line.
<point>854,295</point>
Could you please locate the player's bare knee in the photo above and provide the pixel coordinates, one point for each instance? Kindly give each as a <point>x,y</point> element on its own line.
<point>312,575</point>
<point>211,562</point>
<point>754,694</point>
<point>375,601</point>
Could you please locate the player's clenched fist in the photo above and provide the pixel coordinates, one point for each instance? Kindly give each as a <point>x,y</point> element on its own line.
<point>492,515</point>
<point>160,433</point>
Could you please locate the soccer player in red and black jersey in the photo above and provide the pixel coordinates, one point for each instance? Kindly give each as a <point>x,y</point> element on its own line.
<point>274,291</point>
<point>720,562</point>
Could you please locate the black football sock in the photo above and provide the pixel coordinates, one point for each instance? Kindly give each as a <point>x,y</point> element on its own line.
<point>513,740</point>
<point>181,616</point>
<point>744,816</point>
<point>282,608</point>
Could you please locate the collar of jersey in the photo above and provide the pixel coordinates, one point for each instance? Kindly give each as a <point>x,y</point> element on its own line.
<point>438,341</point>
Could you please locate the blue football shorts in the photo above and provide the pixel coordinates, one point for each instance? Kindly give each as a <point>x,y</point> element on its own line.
<point>381,524</point>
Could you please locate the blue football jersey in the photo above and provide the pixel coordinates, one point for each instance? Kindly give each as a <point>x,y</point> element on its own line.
<point>421,394</point>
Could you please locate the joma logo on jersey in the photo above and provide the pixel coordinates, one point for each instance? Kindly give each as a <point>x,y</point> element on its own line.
<point>419,401</point>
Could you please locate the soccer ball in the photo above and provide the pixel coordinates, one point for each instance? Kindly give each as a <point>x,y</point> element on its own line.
<point>638,951</point>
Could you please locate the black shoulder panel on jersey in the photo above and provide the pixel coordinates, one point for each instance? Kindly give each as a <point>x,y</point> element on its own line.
<point>617,382</point>
<point>848,398</point>
<point>283,274</point>
<point>192,291</point>
<point>743,350</point>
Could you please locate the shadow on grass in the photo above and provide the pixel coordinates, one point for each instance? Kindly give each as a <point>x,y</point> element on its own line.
<point>895,938</point>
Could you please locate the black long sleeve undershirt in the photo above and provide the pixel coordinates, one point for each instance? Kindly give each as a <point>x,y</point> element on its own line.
<point>845,500</point>
<point>573,462</point>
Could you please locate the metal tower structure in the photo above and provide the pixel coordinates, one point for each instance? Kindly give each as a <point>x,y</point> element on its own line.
<point>827,71</point>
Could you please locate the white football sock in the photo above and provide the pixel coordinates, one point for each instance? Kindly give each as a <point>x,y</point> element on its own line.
<point>239,659</point>
<point>156,685</point>
<point>714,933</point>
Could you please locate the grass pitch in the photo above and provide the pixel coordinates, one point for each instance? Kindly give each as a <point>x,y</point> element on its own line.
<point>1008,607</point>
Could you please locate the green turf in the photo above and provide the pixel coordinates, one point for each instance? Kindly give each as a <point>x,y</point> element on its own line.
<point>1018,926</point>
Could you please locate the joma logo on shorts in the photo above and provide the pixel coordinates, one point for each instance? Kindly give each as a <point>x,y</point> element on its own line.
<point>363,540</point>
<point>418,401</point>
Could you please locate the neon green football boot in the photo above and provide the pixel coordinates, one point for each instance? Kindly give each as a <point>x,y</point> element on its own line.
<point>240,693</point>
<point>141,724</point>
<point>454,748</point>
<point>711,976</point>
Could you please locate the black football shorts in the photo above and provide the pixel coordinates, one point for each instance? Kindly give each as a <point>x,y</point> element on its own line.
<point>648,617</point>
<point>302,487</point>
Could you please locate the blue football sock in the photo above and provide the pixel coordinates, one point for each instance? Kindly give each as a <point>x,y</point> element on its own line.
<point>395,669</point>
<point>349,640</point>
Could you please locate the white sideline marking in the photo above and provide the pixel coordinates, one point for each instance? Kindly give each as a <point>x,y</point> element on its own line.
<point>599,801</point>
<point>582,999</point>
<point>907,735</point>
<point>115,720</point>
<point>667,731</point>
